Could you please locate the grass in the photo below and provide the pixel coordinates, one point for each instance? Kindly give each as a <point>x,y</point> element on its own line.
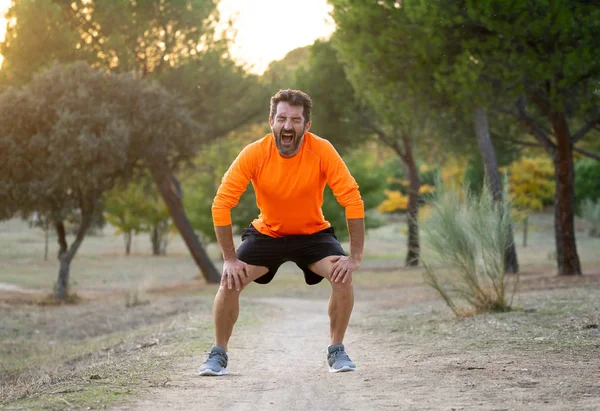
<point>44,367</point>
<point>549,320</point>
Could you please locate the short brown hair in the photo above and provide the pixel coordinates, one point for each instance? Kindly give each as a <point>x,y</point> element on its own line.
<point>295,98</point>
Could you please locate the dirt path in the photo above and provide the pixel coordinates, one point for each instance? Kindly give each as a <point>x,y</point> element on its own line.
<point>281,366</point>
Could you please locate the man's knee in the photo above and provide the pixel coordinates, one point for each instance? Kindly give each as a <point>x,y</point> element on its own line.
<point>226,291</point>
<point>342,287</point>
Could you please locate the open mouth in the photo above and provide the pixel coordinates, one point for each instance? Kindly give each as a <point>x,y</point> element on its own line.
<point>287,137</point>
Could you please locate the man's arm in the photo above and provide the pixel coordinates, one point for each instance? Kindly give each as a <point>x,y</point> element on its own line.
<point>225,240</point>
<point>232,186</point>
<point>356,232</point>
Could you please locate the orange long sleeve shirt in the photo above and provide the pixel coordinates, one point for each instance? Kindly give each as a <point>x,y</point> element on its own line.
<point>289,191</point>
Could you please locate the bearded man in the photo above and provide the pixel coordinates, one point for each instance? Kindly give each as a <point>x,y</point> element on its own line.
<point>288,169</point>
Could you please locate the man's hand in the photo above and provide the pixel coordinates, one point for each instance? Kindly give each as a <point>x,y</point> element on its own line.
<point>343,268</point>
<point>235,272</point>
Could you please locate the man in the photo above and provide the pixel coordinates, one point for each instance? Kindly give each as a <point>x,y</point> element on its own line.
<point>289,169</point>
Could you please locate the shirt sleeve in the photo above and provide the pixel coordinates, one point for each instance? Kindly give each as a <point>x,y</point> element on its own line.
<point>342,183</point>
<point>233,184</point>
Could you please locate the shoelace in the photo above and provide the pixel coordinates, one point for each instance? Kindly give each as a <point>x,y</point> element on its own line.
<point>339,355</point>
<point>219,357</point>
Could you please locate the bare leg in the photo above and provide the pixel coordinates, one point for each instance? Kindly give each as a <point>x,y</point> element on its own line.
<point>341,300</point>
<point>226,307</point>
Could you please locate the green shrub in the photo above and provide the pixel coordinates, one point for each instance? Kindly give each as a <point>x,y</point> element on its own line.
<point>467,236</point>
<point>587,181</point>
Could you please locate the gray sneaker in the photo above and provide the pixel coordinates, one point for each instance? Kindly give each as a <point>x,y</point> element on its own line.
<point>216,363</point>
<point>338,360</point>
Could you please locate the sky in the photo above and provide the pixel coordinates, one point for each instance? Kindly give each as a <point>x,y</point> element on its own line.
<point>266,29</point>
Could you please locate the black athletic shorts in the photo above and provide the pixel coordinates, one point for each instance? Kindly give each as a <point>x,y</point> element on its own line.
<point>262,250</point>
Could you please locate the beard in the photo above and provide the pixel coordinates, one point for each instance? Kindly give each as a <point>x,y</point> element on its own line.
<point>285,144</point>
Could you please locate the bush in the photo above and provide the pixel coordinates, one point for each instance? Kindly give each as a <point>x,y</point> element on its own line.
<point>468,235</point>
<point>587,181</point>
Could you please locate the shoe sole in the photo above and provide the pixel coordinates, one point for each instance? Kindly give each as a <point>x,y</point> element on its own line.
<point>211,373</point>
<point>345,368</point>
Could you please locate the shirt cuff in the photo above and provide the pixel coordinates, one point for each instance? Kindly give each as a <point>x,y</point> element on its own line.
<point>355,211</point>
<point>221,218</point>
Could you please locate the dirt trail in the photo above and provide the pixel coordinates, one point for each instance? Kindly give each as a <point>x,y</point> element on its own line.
<point>281,366</point>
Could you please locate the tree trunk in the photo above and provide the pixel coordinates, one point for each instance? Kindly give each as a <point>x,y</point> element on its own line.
<point>46,238</point>
<point>61,236</point>
<point>168,187</point>
<point>66,254</point>
<point>62,285</point>
<point>488,155</point>
<point>412,255</point>
<point>155,239</point>
<point>525,230</point>
<point>564,205</point>
<point>127,237</point>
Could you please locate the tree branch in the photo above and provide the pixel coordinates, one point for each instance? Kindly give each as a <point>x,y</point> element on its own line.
<point>594,122</point>
<point>525,143</point>
<point>87,210</point>
<point>587,153</point>
<point>539,101</point>
<point>535,129</point>
<point>383,136</point>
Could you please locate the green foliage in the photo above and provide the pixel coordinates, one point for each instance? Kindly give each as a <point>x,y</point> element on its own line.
<point>371,180</point>
<point>123,208</point>
<point>61,142</point>
<point>69,135</point>
<point>590,211</point>
<point>386,56</point>
<point>587,180</point>
<point>468,236</point>
<point>281,73</point>
<point>338,115</point>
<point>175,42</point>
<point>201,184</point>
<point>138,208</point>
<point>36,37</point>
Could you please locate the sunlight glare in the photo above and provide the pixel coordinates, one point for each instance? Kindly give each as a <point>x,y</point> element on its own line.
<point>268,29</point>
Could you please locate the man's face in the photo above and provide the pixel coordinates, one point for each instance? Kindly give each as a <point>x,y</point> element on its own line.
<point>288,128</point>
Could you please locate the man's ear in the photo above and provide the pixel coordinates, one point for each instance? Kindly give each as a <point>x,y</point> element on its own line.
<point>271,122</point>
<point>307,126</point>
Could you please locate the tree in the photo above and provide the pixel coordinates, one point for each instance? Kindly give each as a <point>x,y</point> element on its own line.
<point>39,39</point>
<point>368,40</point>
<point>406,49</point>
<point>62,148</point>
<point>550,70</point>
<point>175,42</point>
<point>68,136</point>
